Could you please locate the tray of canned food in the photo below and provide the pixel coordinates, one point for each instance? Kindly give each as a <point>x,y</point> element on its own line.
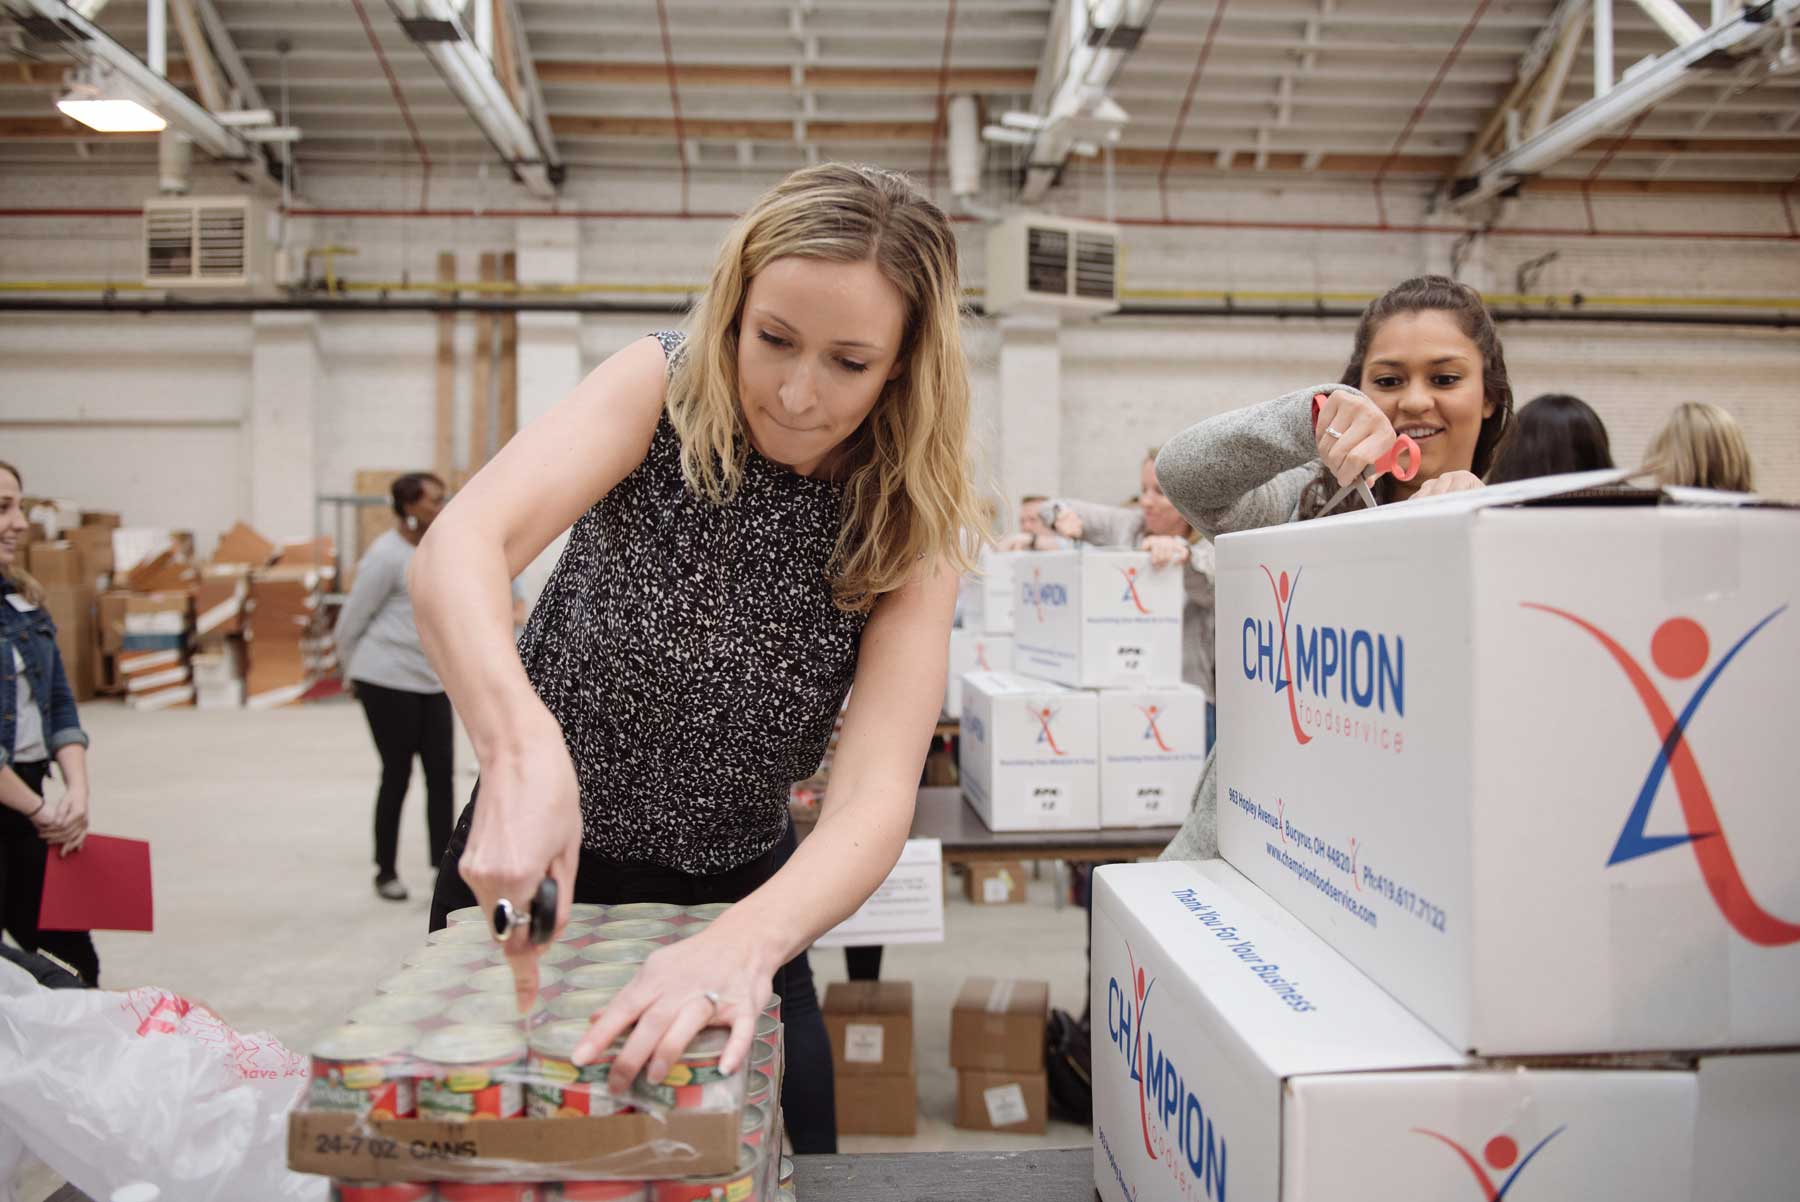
<point>405,1095</point>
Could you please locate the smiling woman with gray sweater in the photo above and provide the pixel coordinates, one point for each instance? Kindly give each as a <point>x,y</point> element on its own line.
<point>1426,363</point>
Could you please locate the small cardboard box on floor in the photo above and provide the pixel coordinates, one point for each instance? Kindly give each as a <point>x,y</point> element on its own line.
<point>1448,744</point>
<point>997,1048</point>
<point>1098,619</point>
<point>871,1028</point>
<point>1029,753</point>
<point>995,882</point>
<point>973,650</point>
<point>1236,1055</point>
<point>1152,752</point>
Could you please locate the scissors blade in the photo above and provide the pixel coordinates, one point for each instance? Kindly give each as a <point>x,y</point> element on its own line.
<point>1341,494</point>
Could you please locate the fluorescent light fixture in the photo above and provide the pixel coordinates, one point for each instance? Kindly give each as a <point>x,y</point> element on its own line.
<point>111,116</point>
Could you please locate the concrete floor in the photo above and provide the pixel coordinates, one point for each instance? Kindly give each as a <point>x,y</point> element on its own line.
<point>259,828</point>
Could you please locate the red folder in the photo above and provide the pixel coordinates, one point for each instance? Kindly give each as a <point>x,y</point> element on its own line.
<point>103,887</point>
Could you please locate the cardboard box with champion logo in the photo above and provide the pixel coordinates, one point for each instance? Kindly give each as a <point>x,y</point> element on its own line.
<point>1097,619</point>
<point>992,592</point>
<point>1029,753</point>
<point>1520,754</point>
<point>1152,752</point>
<point>973,650</point>
<point>1236,1055</point>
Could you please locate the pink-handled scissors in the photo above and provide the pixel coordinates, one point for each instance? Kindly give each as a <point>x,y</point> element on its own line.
<point>1389,463</point>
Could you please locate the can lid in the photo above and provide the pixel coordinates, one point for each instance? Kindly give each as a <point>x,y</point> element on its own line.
<point>446,955</point>
<point>757,1082</point>
<point>365,1041</point>
<point>621,951</point>
<point>754,1118</point>
<point>659,910</point>
<point>422,980</point>
<point>559,1039</point>
<point>708,1045</point>
<point>767,1024</point>
<point>575,932</point>
<point>708,911</point>
<point>483,1009</point>
<point>690,930</point>
<point>761,1053</point>
<point>599,976</point>
<point>785,1171</point>
<point>498,978</point>
<point>404,1009</point>
<point>582,1004</point>
<point>550,953</point>
<point>586,912</point>
<point>634,928</point>
<point>471,1043</point>
<point>467,914</point>
<point>462,932</point>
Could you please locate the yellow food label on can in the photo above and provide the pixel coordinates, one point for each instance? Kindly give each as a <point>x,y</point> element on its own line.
<point>740,1190</point>
<point>679,1074</point>
<point>469,1080</point>
<point>364,1076</point>
<point>559,1071</point>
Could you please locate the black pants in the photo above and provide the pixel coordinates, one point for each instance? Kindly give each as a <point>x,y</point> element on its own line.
<point>22,854</point>
<point>407,724</point>
<point>808,1098</point>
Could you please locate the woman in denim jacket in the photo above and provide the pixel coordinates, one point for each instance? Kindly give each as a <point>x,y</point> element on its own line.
<point>38,723</point>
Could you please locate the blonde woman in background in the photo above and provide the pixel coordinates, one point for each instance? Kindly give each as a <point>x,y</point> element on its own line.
<point>1701,446</point>
<point>766,510</point>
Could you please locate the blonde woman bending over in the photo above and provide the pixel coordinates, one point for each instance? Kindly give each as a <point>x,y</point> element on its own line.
<point>765,511</point>
<point>1701,446</point>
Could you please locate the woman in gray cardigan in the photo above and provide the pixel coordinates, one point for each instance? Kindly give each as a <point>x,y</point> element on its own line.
<point>1427,363</point>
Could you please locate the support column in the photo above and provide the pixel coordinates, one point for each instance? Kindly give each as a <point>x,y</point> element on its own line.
<point>550,366</point>
<point>1028,458</point>
<point>283,428</point>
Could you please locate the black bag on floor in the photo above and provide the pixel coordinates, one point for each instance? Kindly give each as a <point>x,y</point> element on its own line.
<point>1068,1066</point>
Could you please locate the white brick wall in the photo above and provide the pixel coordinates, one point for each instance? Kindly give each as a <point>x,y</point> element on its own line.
<point>173,392</point>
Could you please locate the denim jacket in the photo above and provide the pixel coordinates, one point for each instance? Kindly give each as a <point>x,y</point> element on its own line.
<point>33,635</point>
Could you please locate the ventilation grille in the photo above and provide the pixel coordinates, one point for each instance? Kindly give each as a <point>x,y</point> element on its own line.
<point>199,243</point>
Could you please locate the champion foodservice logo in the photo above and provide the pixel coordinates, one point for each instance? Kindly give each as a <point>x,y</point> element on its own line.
<point>1140,990</point>
<point>981,659</point>
<point>1037,594</point>
<point>1339,666</point>
<point>1131,590</point>
<point>1152,731</point>
<point>1046,735</point>
<point>1679,649</point>
<point>1500,1154</point>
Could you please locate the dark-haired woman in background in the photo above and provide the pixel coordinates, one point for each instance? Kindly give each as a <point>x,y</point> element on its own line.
<point>1551,436</point>
<point>407,709</point>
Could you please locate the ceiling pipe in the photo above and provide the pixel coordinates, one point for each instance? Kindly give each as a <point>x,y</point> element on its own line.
<point>964,121</point>
<point>1301,312</point>
<point>1654,82</point>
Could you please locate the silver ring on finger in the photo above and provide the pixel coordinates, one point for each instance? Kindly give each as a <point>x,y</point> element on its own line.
<point>712,999</point>
<point>1334,433</point>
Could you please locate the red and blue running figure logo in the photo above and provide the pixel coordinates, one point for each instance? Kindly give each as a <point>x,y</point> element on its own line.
<point>1045,735</point>
<point>1284,605</point>
<point>1501,1153</point>
<point>1131,593</point>
<point>1153,732</point>
<point>1680,649</point>
<point>1140,989</point>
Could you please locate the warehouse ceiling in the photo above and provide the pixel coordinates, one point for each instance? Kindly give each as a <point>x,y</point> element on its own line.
<point>1328,89</point>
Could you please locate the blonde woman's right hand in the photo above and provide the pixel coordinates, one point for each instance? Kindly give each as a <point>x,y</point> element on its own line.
<point>527,826</point>
<point>1352,432</point>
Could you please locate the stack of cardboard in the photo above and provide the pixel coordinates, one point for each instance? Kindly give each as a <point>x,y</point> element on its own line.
<point>871,1029</point>
<point>69,599</point>
<point>153,661</point>
<point>997,1049</point>
<point>284,630</point>
<point>220,606</point>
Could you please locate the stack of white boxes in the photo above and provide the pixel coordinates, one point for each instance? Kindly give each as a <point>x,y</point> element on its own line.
<point>1092,727</point>
<point>1512,906</point>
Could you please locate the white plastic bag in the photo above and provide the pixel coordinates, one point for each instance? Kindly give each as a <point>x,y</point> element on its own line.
<point>110,1089</point>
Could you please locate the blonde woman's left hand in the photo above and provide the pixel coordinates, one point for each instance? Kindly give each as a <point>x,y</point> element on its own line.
<point>1449,482</point>
<point>1164,550</point>
<point>69,826</point>
<point>711,980</point>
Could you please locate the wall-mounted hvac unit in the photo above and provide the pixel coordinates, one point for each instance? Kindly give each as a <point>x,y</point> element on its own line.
<point>205,242</point>
<point>1042,264</point>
